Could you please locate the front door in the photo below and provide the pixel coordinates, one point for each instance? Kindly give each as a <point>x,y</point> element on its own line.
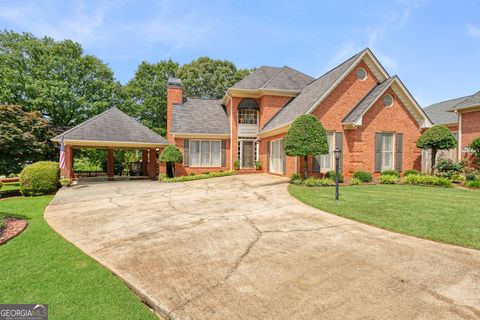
<point>247,154</point>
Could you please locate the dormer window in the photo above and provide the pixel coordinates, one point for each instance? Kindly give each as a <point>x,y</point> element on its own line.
<point>248,112</point>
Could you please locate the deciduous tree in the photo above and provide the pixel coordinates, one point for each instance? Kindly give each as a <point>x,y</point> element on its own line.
<point>437,138</point>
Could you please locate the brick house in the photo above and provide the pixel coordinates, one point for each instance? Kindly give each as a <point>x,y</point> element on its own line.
<point>462,116</point>
<point>367,113</point>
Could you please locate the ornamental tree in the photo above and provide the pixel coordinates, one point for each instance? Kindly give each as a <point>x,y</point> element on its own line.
<point>437,138</point>
<point>171,155</point>
<point>306,137</point>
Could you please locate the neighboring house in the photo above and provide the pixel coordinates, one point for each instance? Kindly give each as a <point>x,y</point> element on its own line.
<point>462,116</point>
<point>367,113</point>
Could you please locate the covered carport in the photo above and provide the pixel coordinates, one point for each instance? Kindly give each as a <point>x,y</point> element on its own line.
<point>110,130</point>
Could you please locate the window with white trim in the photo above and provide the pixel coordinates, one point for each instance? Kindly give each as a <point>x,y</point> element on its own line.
<point>205,153</point>
<point>247,116</point>
<point>387,151</point>
<point>326,161</point>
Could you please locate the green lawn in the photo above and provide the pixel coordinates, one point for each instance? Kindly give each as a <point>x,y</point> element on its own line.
<point>446,215</point>
<point>39,266</point>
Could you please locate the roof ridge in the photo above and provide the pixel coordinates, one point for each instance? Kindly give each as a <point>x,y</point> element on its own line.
<point>448,100</point>
<point>83,123</point>
<point>273,77</point>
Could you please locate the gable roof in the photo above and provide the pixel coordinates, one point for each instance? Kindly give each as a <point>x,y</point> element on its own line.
<point>364,105</point>
<point>112,125</point>
<point>199,116</point>
<point>468,102</point>
<point>355,116</point>
<point>440,113</point>
<point>274,78</point>
<point>312,94</point>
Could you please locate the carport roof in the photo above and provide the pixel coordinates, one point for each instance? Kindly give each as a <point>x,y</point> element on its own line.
<point>112,128</point>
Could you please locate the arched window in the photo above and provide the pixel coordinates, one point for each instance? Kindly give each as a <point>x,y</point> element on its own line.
<point>248,111</point>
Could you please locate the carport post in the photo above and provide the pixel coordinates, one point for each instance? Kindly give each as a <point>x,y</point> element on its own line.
<point>110,162</point>
<point>144,162</point>
<point>153,163</point>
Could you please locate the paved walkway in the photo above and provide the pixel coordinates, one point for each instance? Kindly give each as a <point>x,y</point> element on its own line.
<point>241,247</point>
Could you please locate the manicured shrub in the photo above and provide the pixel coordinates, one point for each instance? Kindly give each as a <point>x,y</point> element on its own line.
<point>206,172</point>
<point>447,168</point>
<point>171,155</point>
<point>192,173</point>
<point>473,184</point>
<point>40,178</point>
<point>363,176</point>
<point>316,182</point>
<point>428,181</point>
<point>388,179</point>
<point>410,172</point>
<point>165,178</point>
<point>390,173</point>
<point>355,182</point>
<point>296,179</point>
<point>332,175</point>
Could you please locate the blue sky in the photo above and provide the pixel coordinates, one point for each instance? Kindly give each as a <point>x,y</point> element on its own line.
<point>433,45</point>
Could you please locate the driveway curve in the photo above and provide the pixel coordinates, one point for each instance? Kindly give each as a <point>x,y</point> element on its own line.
<point>241,247</point>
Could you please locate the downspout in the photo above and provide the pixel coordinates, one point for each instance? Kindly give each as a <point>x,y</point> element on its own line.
<point>459,142</point>
<point>231,132</point>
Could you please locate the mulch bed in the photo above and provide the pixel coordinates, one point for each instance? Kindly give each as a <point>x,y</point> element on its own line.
<point>12,227</point>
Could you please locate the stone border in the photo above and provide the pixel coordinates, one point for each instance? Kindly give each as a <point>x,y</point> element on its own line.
<point>13,227</point>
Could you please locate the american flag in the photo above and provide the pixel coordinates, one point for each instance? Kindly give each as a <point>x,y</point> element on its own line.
<point>62,163</point>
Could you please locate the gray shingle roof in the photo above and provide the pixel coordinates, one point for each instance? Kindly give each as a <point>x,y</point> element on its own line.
<point>368,100</point>
<point>284,78</point>
<point>440,113</point>
<point>200,116</point>
<point>470,101</point>
<point>309,95</point>
<point>112,125</point>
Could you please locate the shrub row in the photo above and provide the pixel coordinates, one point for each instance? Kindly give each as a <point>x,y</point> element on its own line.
<point>205,175</point>
<point>363,176</point>
<point>473,184</point>
<point>416,179</point>
<point>389,179</point>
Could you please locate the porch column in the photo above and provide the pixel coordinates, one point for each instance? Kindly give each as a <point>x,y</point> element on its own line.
<point>144,162</point>
<point>68,171</point>
<point>153,163</point>
<point>110,162</point>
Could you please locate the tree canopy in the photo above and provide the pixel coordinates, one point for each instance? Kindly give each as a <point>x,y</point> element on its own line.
<point>208,78</point>
<point>306,137</point>
<point>147,93</point>
<point>23,138</point>
<point>54,78</point>
<point>437,138</point>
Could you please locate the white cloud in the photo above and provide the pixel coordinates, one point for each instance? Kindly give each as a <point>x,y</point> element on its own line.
<point>474,31</point>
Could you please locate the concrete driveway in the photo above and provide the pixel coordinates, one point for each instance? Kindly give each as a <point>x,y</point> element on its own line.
<point>241,247</point>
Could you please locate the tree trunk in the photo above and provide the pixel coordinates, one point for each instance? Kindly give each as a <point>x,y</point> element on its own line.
<point>434,156</point>
<point>305,173</point>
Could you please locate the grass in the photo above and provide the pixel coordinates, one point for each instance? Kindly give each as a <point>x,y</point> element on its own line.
<point>440,214</point>
<point>10,186</point>
<point>39,266</point>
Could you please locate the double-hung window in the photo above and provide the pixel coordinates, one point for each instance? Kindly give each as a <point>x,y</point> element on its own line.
<point>205,153</point>
<point>387,151</point>
<point>326,161</point>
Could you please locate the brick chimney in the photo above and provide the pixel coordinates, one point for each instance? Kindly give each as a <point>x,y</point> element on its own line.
<point>174,96</point>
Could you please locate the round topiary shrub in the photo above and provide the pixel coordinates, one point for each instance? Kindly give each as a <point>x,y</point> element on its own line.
<point>332,175</point>
<point>40,178</point>
<point>363,176</point>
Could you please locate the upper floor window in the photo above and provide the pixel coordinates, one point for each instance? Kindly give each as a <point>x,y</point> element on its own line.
<point>361,74</point>
<point>247,116</point>
<point>248,112</point>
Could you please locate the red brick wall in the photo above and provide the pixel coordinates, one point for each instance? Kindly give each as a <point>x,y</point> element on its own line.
<point>181,170</point>
<point>174,96</point>
<point>470,129</point>
<point>269,106</point>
